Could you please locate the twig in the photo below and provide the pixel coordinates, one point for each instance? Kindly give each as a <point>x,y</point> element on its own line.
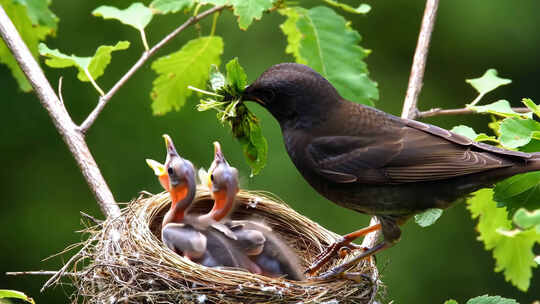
<point>410,109</point>
<point>62,270</point>
<point>439,111</point>
<point>369,241</point>
<point>419,60</point>
<point>60,117</point>
<point>144,57</point>
<point>41,272</point>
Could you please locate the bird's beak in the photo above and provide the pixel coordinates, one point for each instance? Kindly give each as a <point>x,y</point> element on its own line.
<point>249,97</point>
<point>160,172</point>
<point>218,155</point>
<point>171,150</point>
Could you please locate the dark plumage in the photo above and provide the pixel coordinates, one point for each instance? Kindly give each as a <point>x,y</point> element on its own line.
<point>373,162</point>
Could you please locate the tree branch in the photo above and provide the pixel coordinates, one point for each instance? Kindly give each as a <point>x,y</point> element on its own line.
<point>419,61</point>
<point>439,111</point>
<point>144,57</point>
<point>60,117</point>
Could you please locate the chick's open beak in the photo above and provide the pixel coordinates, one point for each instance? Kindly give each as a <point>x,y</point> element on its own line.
<point>171,150</point>
<point>160,172</point>
<point>218,155</point>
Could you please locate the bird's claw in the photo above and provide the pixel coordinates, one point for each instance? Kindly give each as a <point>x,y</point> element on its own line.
<point>322,258</point>
<point>340,248</point>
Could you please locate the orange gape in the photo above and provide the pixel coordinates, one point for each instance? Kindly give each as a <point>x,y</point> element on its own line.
<point>164,181</point>
<point>177,194</point>
<point>221,207</point>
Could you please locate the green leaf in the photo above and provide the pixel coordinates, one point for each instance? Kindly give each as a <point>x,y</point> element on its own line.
<point>34,22</point>
<point>188,66</point>
<point>499,108</point>
<point>247,11</point>
<point>525,219</point>
<point>488,82</point>
<point>245,126</point>
<point>136,15</point>
<point>428,217</point>
<point>94,65</point>
<point>519,191</point>
<point>170,6</point>
<point>450,302</point>
<point>325,41</point>
<point>517,132</point>
<point>13,294</point>
<point>361,9</point>
<point>465,131</point>
<point>217,79</point>
<point>532,106</point>
<point>236,77</point>
<point>39,13</point>
<point>215,2</point>
<point>512,251</point>
<point>471,134</point>
<point>485,299</point>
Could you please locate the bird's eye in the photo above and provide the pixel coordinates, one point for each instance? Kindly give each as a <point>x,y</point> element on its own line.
<point>170,170</point>
<point>212,177</point>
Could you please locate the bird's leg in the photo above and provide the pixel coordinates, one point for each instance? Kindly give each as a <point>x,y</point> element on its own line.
<point>331,250</point>
<point>391,233</point>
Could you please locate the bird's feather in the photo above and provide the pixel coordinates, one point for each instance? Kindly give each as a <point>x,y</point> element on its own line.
<point>403,153</point>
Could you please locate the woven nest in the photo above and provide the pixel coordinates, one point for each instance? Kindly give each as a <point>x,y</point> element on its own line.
<point>124,260</point>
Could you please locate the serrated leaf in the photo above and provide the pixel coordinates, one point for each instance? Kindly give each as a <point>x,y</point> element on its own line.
<point>485,299</point>
<point>215,2</point>
<point>39,12</point>
<point>465,131</point>
<point>517,132</point>
<point>471,134</point>
<point>245,126</point>
<point>428,217</point>
<point>136,15</point>
<point>519,191</point>
<point>292,33</point>
<point>512,252</point>
<point>325,41</point>
<point>525,219</point>
<point>532,106</point>
<point>217,79</point>
<point>499,108</point>
<point>488,82</point>
<point>33,25</point>
<point>236,77</point>
<point>94,65</point>
<point>247,11</point>
<point>361,9</point>
<point>188,66</point>
<point>14,294</point>
<point>170,6</point>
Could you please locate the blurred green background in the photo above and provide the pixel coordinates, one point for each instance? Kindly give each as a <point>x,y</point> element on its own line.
<point>43,191</point>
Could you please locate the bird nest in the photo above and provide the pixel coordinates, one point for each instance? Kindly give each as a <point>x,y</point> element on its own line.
<point>124,261</point>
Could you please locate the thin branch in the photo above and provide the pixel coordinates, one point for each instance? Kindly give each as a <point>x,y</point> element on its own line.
<point>40,272</point>
<point>369,241</point>
<point>144,57</point>
<point>60,117</point>
<point>439,111</point>
<point>419,61</point>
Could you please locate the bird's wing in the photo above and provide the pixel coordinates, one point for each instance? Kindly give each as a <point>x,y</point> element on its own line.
<point>412,152</point>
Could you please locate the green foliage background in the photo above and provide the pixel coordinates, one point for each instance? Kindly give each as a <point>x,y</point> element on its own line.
<point>42,190</point>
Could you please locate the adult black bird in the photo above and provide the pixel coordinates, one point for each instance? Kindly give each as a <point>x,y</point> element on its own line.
<point>373,162</point>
